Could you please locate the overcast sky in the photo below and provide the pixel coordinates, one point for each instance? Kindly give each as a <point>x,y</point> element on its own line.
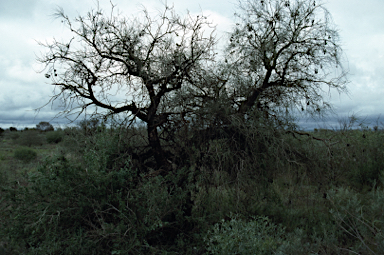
<point>25,22</point>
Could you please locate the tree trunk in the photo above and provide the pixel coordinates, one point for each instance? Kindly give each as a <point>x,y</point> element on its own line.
<point>158,152</point>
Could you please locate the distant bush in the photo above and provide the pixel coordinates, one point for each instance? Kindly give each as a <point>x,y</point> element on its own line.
<point>54,136</point>
<point>44,126</point>
<point>12,129</point>
<point>30,138</point>
<point>1,131</point>
<point>25,154</point>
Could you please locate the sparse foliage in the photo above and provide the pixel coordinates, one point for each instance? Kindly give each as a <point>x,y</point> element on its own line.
<point>283,54</point>
<point>214,140</point>
<point>143,60</point>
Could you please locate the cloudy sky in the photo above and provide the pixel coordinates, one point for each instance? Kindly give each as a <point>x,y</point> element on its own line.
<point>23,23</point>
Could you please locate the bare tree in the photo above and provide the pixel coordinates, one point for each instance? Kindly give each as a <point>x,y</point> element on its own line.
<point>284,54</point>
<point>128,66</point>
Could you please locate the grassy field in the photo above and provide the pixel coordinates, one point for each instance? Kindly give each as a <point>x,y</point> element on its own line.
<point>319,192</point>
<point>11,142</point>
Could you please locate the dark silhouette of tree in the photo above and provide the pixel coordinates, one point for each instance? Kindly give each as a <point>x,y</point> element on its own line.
<point>284,54</point>
<point>44,126</point>
<point>281,54</point>
<point>143,60</point>
<point>163,72</point>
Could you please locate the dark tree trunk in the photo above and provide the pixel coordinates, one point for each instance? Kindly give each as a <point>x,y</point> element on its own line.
<point>158,152</point>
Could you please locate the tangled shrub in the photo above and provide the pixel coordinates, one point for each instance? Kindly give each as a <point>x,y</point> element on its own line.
<point>25,154</point>
<point>361,218</point>
<point>68,209</point>
<point>54,136</point>
<point>258,236</point>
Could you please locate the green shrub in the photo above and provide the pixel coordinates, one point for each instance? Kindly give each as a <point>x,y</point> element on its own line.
<point>30,138</point>
<point>73,208</point>
<point>257,236</point>
<point>44,126</point>
<point>361,218</point>
<point>25,154</point>
<point>54,136</point>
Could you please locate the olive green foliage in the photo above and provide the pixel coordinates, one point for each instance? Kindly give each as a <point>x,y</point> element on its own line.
<point>44,126</point>
<point>25,154</point>
<point>261,168</point>
<point>54,136</point>
<point>30,138</point>
<point>85,207</point>
<point>256,236</point>
<point>89,126</point>
<point>355,156</point>
<point>216,171</point>
<point>361,217</point>
<point>96,199</point>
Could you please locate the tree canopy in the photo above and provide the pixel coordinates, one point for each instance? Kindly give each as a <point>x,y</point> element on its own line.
<point>44,126</point>
<point>284,53</point>
<point>166,72</point>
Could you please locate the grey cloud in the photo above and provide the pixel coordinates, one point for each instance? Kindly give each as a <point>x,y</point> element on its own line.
<point>20,9</point>
<point>23,21</point>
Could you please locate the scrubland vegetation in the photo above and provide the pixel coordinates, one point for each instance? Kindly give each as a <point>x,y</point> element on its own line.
<point>188,151</point>
<point>271,193</point>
